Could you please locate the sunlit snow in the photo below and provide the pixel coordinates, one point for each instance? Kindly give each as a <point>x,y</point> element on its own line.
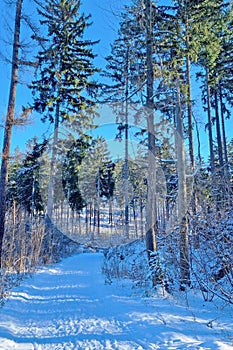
<point>69,306</point>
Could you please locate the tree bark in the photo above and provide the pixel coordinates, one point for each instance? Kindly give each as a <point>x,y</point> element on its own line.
<point>98,203</point>
<point>190,127</point>
<point>210,129</point>
<point>50,200</point>
<point>189,95</point>
<point>151,220</point>
<point>126,170</point>
<point>9,121</point>
<point>224,133</point>
<point>182,196</point>
<point>218,132</point>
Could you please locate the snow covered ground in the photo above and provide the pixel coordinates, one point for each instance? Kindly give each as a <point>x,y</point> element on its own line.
<point>70,306</point>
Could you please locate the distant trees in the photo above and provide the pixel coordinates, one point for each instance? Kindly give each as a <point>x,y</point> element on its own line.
<point>92,181</point>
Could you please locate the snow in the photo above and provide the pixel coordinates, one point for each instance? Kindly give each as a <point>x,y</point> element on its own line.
<point>70,305</point>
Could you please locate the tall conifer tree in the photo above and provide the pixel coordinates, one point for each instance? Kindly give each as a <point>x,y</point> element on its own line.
<point>63,90</point>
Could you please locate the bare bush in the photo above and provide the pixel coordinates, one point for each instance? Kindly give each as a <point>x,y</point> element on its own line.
<point>21,248</point>
<point>212,263</point>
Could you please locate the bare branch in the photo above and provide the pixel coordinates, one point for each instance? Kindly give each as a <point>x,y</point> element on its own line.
<point>28,63</point>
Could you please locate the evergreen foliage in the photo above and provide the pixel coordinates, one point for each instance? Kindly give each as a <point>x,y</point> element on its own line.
<point>107,180</point>
<point>65,66</point>
<point>71,169</point>
<point>27,180</point>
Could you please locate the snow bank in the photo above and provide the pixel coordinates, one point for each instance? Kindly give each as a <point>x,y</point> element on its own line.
<point>127,261</point>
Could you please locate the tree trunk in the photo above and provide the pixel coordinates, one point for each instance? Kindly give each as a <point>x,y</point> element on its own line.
<point>86,220</point>
<point>90,216</point>
<point>72,221</point>
<point>189,97</point>
<point>135,219</point>
<point>224,133</point>
<point>190,135</point>
<point>151,220</point>
<point>98,203</point>
<point>50,201</point>
<point>9,121</point>
<point>218,132</point>
<point>141,217</point>
<point>182,196</point>
<point>225,153</point>
<point>210,129</point>
<point>110,215</point>
<point>221,184</point>
<point>79,224</point>
<point>126,168</point>
<point>211,145</point>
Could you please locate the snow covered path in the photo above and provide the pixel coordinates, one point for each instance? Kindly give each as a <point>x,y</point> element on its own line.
<point>69,306</point>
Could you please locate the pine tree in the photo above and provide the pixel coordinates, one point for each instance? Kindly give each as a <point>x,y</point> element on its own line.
<point>222,90</point>
<point>106,185</point>
<point>70,173</point>
<point>12,186</point>
<point>28,180</point>
<point>63,90</point>
<point>210,28</point>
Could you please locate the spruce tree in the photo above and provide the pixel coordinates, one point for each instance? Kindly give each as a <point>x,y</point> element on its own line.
<point>208,30</point>
<point>64,90</point>
<point>28,180</point>
<point>70,173</point>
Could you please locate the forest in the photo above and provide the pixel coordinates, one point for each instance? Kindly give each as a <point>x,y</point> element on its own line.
<point>167,82</point>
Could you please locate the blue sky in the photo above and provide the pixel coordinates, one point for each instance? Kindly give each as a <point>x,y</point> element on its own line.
<point>105,17</point>
<point>104,28</point>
